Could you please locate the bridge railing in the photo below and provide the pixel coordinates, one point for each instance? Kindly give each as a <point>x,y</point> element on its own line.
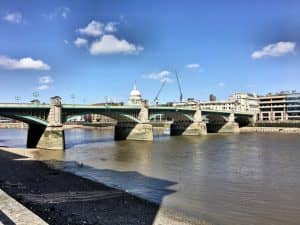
<point>23,105</point>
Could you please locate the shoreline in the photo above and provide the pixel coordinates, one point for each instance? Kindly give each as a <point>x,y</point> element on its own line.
<point>19,125</point>
<point>165,130</point>
<point>285,130</point>
<point>39,186</point>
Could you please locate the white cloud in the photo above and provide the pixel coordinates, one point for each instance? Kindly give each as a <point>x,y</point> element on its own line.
<point>58,12</point>
<point>94,28</point>
<point>109,44</point>
<point>43,87</point>
<point>45,80</point>
<point>64,12</point>
<point>221,84</point>
<point>162,76</point>
<point>80,42</point>
<point>23,63</point>
<point>110,27</point>
<point>14,17</point>
<point>276,49</point>
<point>193,66</point>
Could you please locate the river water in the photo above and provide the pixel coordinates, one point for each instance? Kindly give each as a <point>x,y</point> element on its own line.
<point>242,179</point>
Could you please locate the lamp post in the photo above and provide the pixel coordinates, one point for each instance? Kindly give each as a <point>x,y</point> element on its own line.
<point>35,97</point>
<point>73,98</point>
<point>17,98</point>
<point>35,94</point>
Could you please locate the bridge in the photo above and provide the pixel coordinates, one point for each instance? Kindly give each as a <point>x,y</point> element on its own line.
<point>133,121</point>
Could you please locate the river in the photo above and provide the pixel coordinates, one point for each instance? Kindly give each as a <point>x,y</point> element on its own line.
<point>241,179</point>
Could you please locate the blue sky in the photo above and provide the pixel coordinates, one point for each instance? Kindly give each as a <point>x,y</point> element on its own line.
<point>93,49</point>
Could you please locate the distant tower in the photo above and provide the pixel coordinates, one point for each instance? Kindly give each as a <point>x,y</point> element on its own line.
<point>212,98</point>
<point>135,97</point>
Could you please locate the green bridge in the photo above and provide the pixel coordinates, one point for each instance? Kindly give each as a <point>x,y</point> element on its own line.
<point>133,122</point>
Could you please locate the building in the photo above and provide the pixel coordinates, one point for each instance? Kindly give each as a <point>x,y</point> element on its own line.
<point>212,98</point>
<point>5,120</point>
<point>35,101</point>
<point>282,106</point>
<point>242,102</point>
<point>226,105</point>
<point>211,105</point>
<point>247,102</point>
<point>135,97</point>
<point>98,118</point>
<point>293,106</point>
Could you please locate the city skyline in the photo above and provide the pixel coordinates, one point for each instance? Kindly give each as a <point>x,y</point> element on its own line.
<point>100,49</point>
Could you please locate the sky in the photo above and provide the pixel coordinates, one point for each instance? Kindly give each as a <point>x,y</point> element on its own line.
<point>90,51</point>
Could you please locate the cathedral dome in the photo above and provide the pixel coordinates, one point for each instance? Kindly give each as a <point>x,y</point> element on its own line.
<point>135,92</point>
<point>135,96</point>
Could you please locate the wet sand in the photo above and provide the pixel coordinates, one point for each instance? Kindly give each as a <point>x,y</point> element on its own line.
<point>63,198</point>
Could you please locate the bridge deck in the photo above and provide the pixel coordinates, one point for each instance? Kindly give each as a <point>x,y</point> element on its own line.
<point>113,107</point>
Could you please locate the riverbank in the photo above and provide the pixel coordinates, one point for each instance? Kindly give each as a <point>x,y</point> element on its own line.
<point>286,130</point>
<point>72,126</point>
<point>63,198</point>
<point>13,125</point>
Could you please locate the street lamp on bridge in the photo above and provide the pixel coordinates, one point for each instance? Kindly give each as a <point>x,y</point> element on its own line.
<point>17,98</point>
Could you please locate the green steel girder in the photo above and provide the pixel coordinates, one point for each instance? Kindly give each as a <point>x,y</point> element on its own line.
<point>119,114</point>
<point>25,118</point>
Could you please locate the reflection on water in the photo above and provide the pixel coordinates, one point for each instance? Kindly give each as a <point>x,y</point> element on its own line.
<point>227,179</point>
<point>13,137</point>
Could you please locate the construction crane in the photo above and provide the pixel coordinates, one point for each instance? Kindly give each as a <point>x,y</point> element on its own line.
<point>159,91</point>
<point>179,87</point>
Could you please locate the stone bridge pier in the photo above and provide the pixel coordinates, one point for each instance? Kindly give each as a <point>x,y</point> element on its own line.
<point>230,126</point>
<point>141,131</point>
<point>195,128</point>
<point>51,137</point>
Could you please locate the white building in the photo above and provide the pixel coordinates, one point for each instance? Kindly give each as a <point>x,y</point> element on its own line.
<point>211,105</point>
<point>228,105</point>
<point>135,97</point>
<point>247,102</point>
<point>242,102</point>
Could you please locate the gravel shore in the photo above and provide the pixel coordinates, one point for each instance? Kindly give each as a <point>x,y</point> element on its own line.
<point>62,198</point>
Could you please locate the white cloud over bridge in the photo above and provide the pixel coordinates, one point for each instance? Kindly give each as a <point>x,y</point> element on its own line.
<point>22,63</point>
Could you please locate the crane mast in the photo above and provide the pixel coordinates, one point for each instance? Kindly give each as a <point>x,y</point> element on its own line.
<point>159,91</point>
<point>179,87</point>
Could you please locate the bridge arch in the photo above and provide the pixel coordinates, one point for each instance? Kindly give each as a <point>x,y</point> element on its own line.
<point>120,117</point>
<point>176,116</point>
<point>29,119</point>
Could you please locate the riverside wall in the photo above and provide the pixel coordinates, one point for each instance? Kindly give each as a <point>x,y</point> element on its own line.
<point>287,130</point>
<point>13,125</point>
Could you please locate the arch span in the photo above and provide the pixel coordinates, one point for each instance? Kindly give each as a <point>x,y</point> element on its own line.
<point>118,116</point>
<point>31,120</point>
<point>175,115</point>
